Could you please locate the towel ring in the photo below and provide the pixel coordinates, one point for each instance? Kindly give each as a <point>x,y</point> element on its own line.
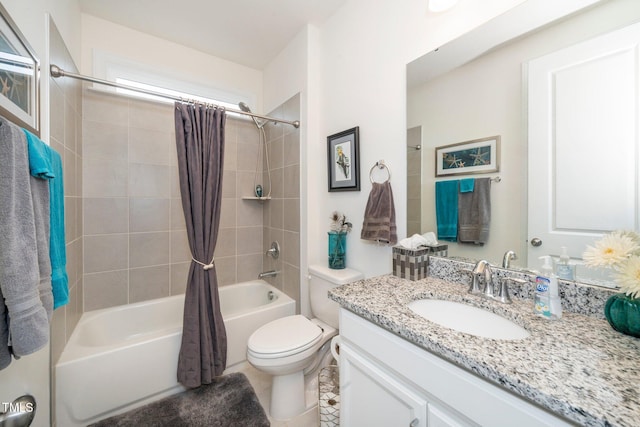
<point>381,165</point>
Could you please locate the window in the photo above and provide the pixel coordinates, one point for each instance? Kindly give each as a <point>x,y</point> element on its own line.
<point>131,73</point>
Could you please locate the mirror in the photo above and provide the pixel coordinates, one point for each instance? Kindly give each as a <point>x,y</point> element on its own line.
<point>443,104</point>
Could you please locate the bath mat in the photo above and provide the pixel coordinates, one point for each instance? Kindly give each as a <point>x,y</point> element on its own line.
<point>229,401</point>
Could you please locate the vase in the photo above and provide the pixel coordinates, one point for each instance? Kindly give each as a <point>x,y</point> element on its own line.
<point>623,314</point>
<point>337,250</point>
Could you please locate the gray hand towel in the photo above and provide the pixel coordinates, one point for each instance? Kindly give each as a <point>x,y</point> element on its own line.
<point>474,213</point>
<point>380,215</point>
<point>24,321</point>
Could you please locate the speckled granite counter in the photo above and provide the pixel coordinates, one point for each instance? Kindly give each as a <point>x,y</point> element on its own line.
<point>577,367</point>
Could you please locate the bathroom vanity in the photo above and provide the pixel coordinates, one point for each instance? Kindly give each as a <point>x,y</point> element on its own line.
<point>400,369</point>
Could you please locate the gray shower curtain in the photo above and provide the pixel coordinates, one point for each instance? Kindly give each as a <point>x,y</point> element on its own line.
<point>200,145</point>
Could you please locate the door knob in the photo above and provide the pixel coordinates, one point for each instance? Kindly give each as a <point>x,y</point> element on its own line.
<point>536,242</point>
<point>19,413</point>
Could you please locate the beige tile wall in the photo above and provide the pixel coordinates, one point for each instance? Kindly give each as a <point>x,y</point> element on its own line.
<point>282,213</point>
<point>135,240</point>
<point>65,105</point>
<point>135,243</point>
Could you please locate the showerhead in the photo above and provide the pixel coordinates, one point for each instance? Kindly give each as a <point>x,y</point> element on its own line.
<point>244,107</point>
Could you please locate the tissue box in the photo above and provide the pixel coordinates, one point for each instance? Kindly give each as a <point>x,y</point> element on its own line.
<point>412,263</point>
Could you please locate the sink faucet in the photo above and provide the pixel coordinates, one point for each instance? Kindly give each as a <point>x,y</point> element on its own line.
<point>481,273</point>
<point>507,258</point>
<point>481,269</point>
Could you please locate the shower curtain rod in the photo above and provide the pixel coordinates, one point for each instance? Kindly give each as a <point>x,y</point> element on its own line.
<point>59,72</point>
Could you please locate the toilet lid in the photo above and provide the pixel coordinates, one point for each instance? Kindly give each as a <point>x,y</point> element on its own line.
<point>285,336</point>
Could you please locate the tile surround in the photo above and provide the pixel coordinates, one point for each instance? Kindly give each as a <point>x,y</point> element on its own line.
<point>65,106</point>
<point>133,214</point>
<point>281,216</point>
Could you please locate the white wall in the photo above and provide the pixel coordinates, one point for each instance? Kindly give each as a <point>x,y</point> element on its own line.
<point>171,59</point>
<point>356,77</point>
<point>30,17</point>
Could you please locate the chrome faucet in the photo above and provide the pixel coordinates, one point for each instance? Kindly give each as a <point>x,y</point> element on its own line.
<point>274,251</point>
<point>507,258</point>
<point>271,273</point>
<point>481,269</point>
<point>503,294</point>
<point>482,275</point>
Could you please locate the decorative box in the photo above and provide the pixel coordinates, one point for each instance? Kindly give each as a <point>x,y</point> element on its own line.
<point>412,264</point>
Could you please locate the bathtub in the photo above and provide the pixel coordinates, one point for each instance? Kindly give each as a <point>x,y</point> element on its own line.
<point>123,357</point>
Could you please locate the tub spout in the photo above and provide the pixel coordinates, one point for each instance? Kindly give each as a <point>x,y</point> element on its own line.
<point>264,274</point>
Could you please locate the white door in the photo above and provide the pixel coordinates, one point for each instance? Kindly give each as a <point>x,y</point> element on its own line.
<point>583,124</point>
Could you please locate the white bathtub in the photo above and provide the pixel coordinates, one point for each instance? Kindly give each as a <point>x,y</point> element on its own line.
<point>123,357</point>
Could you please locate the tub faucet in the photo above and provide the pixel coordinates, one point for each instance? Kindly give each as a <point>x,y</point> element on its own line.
<point>507,258</point>
<point>271,273</point>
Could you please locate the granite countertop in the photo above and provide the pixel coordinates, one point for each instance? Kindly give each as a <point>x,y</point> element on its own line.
<point>577,367</point>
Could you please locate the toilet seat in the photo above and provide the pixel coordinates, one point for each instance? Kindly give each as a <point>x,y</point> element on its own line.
<point>284,337</point>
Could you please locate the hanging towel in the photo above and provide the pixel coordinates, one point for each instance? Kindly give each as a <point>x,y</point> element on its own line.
<point>447,210</point>
<point>467,185</point>
<point>46,157</point>
<point>39,158</point>
<point>41,175</point>
<point>475,213</point>
<point>24,256</point>
<point>380,215</point>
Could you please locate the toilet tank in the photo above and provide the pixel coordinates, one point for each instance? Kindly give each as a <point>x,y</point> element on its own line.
<point>321,279</point>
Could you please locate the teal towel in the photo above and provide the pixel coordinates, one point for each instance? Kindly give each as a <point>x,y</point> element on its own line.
<point>467,184</point>
<point>57,252</point>
<point>39,158</point>
<point>47,163</point>
<point>447,210</point>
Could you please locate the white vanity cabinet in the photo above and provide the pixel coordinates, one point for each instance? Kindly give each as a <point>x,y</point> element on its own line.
<point>387,381</point>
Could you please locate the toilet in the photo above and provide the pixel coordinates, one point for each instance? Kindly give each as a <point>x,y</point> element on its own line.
<point>293,349</point>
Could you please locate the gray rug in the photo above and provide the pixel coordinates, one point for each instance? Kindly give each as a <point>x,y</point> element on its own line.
<point>230,401</point>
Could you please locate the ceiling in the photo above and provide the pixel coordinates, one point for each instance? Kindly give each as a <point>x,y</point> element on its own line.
<point>247,32</point>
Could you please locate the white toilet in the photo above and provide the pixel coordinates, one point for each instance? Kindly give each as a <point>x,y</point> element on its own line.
<point>294,348</point>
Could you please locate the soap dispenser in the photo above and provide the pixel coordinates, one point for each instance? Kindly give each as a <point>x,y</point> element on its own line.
<point>546,299</point>
<point>564,270</point>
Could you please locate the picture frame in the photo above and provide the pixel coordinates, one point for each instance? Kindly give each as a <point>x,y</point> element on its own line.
<point>19,76</point>
<point>469,157</point>
<point>343,160</point>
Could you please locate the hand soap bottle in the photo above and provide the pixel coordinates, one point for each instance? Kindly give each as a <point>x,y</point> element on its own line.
<point>546,299</point>
<point>564,270</point>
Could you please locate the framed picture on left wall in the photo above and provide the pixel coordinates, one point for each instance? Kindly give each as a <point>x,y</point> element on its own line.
<point>19,76</point>
<point>343,160</point>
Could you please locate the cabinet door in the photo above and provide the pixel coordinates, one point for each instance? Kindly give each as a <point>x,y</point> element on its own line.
<point>371,397</point>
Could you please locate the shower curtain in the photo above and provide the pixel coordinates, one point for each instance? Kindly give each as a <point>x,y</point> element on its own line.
<point>200,145</point>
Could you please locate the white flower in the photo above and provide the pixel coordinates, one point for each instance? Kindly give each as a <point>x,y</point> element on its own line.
<point>612,250</point>
<point>628,277</point>
<point>339,223</point>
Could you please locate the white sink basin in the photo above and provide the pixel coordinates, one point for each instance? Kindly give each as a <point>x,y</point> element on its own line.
<point>468,319</point>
